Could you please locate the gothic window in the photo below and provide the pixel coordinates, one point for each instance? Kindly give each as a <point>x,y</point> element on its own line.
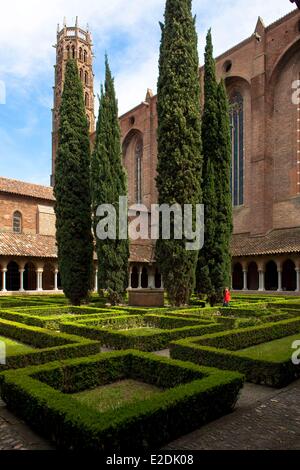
<point>73,52</point>
<point>86,100</point>
<point>86,78</point>
<point>237,138</point>
<point>68,52</point>
<point>80,53</point>
<point>85,56</point>
<point>138,170</point>
<point>17,222</point>
<point>81,74</point>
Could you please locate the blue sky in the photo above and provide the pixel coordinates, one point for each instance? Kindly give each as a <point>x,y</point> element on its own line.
<point>127,29</point>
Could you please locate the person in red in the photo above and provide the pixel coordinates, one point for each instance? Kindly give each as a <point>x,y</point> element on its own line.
<point>227,297</point>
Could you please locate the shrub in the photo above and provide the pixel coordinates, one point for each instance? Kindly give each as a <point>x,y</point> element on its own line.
<point>190,397</point>
<point>153,340</point>
<point>222,350</point>
<point>50,346</point>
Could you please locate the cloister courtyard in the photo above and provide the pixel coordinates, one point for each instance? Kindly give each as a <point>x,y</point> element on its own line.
<point>188,378</point>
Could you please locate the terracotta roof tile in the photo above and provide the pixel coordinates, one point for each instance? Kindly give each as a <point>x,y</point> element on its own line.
<point>40,246</point>
<point>26,189</point>
<point>37,246</point>
<point>275,242</point>
<point>142,252</point>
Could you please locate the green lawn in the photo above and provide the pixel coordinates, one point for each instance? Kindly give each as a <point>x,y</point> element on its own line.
<point>114,395</point>
<point>278,350</point>
<point>14,347</point>
<point>144,331</point>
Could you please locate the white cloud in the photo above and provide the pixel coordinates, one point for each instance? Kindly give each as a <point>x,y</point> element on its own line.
<point>28,31</point>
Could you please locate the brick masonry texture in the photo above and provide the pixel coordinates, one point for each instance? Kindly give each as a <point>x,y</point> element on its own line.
<point>263,69</point>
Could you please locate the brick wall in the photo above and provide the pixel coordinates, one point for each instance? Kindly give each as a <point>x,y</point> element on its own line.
<point>29,208</point>
<point>262,69</point>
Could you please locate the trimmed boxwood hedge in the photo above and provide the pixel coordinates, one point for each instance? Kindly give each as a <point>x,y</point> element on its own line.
<point>222,350</point>
<point>144,341</point>
<point>50,345</point>
<point>52,317</point>
<point>191,397</point>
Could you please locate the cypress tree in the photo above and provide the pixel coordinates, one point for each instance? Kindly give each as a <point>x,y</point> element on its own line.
<point>205,283</point>
<point>213,270</point>
<point>224,218</point>
<point>179,141</point>
<point>108,184</point>
<point>72,192</point>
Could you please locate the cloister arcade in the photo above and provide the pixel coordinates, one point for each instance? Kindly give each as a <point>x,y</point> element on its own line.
<point>267,274</point>
<point>36,275</point>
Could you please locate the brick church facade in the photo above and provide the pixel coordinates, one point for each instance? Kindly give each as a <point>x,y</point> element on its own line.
<point>261,75</point>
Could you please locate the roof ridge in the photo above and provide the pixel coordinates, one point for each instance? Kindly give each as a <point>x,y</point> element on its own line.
<point>26,182</point>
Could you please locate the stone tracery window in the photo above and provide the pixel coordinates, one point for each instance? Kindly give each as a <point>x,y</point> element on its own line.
<point>138,170</point>
<point>237,138</point>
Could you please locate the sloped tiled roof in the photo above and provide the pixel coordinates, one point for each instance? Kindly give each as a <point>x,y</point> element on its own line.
<point>40,246</point>
<point>26,189</point>
<point>37,246</point>
<point>274,242</point>
<point>142,252</point>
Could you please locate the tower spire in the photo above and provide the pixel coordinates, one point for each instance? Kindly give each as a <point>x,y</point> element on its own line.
<point>78,46</point>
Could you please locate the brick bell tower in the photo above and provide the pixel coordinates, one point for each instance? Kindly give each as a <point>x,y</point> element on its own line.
<point>72,43</point>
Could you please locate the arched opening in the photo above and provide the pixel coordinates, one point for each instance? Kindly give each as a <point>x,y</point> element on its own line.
<point>237,277</point>
<point>48,277</point>
<point>145,280</point>
<point>86,100</point>
<point>85,56</point>
<point>253,276</point>
<point>133,162</point>
<point>271,276</point>
<point>86,78</point>
<point>157,279</point>
<point>81,74</point>
<point>134,278</point>
<point>13,277</point>
<point>80,53</point>
<point>73,52</point>
<point>17,222</point>
<point>59,284</point>
<point>30,277</point>
<point>289,276</point>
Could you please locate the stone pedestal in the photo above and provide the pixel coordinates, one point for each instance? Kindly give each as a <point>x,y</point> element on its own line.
<point>146,297</point>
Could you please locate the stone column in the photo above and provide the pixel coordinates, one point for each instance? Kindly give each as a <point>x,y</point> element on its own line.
<point>56,280</point>
<point>298,279</point>
<point>261,273</point>
<point>140,277</point>
<point>129,279</point>
<point>279,271</point>
<point>96,281</point>
<point>39,279</point>
<point>4,271</point>
<point>245,277</point>
<point>22,271</point>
